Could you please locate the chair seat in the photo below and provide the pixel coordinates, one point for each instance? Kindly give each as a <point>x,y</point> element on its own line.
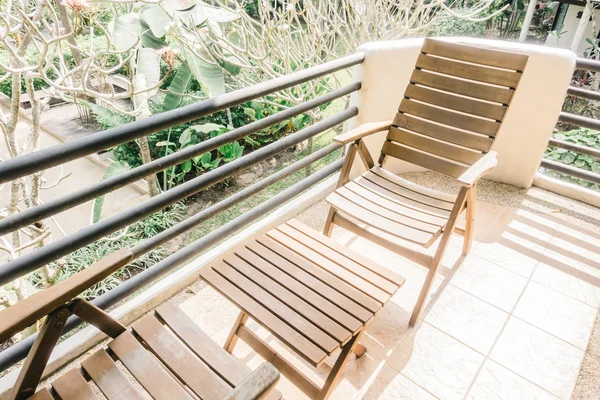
<point>395,206</point>
<point>167,354</point>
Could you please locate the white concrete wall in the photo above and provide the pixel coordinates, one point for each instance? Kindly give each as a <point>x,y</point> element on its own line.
<point>570,25</point>
<point>527,126</point>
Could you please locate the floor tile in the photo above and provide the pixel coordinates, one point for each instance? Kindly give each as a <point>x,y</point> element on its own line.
<point>570,277</point>
<point>498,383</point>
<point>539,357</point>
<point>386,330</point>
<point>389,384</point>
<point>489,282</point>
<point>466,318</point>
<point>407,295</point>
<point>555,313</point>
<point>436,361</point>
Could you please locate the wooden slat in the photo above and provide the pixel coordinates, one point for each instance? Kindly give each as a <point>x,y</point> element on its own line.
<point>458,103</point>
<point>287,297</point>
<point>402,196</point>
<point>146,369</point>
<point>302,325</point>
<point>364,286</point>
<point>278,328</point>
<point>386,273</point>
<point>450,118</point>
<point>468,71</point>
<point>429,145</point>
<point>422,159</point>
<point>73,386</point>
<point>251,254</point>
<point>387,213</point>
<point>109,378</point>
<point>290,253</point>
<point>447,198</point>
<point>459,86</point>
<point>224,364</point>
<point>317,279</point>
<point>477,55</point>
<point>180,360</point>
<point>369,217</point>
<point>443,132</point>
<point>412,213</point>
<point>42,394</point>
<point>340,259</point>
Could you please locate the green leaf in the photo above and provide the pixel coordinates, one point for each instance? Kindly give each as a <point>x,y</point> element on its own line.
<point>126,31</point>
<point>596,167</point>
<point>579,163</point>
<point>252,142</point>
<point>148,64</point>
<point>113,169</point>
<point>207,128</point>
<point>186,166</point>
<point>157,19</point>
<point>567,158</point>
<point>209,74</point>
<point>177,88</point>
<point>250,112</point>
<point>148,39</point>
<point>185,137</point>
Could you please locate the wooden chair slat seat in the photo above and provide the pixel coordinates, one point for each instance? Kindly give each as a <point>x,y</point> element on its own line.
<point>313,294</point>
<point>180,360</point>
<point>449,116</point>
<point>111,381</point>
<point>169,356</point>
<point>73,385</point>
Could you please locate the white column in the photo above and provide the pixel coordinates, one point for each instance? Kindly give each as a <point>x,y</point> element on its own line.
<point>581,27</point>
<point>527,22</point>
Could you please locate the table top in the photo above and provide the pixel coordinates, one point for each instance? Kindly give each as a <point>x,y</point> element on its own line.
<point>309,291</point>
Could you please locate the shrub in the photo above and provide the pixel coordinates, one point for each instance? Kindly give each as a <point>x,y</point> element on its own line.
<point>136,233</point>
<point>581,136</point>
<point>448,25</point>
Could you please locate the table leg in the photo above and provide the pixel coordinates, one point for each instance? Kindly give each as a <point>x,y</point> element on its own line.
<point>340,363</point>
<point>233,337</point>
<point>360,350</point>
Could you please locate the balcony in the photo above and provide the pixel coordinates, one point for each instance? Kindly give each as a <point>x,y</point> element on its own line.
<point>510,320</point>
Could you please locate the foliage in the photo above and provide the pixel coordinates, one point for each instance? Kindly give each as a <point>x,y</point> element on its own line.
<point>136,233</point>
<point>168,141</point>
<point>448,25</point>
<point>580,136</point>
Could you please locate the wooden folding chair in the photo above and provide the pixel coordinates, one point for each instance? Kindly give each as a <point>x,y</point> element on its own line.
<point>447,122</point>
<point>168,355</point>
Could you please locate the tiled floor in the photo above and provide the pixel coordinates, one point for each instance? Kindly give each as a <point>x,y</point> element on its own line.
<point>510,321</point>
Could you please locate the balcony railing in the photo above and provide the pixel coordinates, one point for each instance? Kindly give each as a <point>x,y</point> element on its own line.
<point>38,161</point>
<point>580,121</point>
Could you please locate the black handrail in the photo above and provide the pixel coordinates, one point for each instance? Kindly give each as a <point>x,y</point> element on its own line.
<point>40,160</point>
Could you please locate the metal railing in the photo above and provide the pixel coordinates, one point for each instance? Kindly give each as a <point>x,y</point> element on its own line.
<point>38,161</point>
<point>580,121</point>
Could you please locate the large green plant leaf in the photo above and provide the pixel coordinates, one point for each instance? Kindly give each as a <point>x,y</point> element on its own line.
<point>148,39</point>
<point>140,98</point>
<point>177,88</point>
<point>126,31</point>
<point>148,64</point>
<point>114,169</point>
<point>157,19</point>
<point>210,75</point>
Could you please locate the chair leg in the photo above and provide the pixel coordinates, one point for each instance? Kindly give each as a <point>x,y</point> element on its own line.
<point>340,363</point>
<point>232,339</point>
<point>328,228</point>
<point>360,350</point>
<point>439,254</point>
<point>470,220</point>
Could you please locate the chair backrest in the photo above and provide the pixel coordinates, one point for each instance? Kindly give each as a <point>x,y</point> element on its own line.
<point>453,106</point>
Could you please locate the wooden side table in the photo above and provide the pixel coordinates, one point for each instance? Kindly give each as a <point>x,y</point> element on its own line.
<point>309,291</point>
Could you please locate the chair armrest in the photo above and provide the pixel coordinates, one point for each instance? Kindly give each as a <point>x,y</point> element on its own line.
<point>257,385</point>
<point>362,131</point>
<point>27,311</point>
<point>483,166</point>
